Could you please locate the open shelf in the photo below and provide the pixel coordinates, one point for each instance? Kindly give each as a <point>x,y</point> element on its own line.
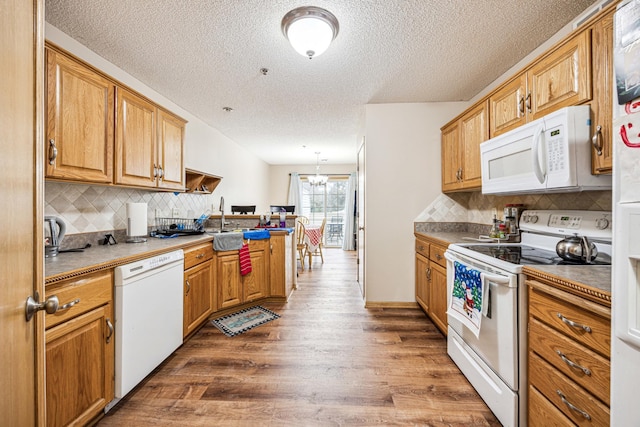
<point>200,182</point>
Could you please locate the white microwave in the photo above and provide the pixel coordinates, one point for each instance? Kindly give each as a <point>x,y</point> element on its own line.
<point>550,154</point>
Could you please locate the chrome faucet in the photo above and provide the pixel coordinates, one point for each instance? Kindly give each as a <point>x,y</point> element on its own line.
<point>221,213</point>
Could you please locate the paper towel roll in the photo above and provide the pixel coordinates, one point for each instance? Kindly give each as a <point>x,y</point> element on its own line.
<point>136,219</point>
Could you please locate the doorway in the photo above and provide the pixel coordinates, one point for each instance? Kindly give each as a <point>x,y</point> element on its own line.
<point>327,202</point>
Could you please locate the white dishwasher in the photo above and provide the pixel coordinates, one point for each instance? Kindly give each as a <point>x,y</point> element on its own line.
<point>148,306</point>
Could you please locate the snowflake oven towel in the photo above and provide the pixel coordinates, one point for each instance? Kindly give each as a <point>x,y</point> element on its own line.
<point>468,297</point>
<point>245,260</point>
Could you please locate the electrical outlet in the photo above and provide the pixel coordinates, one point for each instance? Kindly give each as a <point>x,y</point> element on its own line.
<point>175,212</point>
<point>158,213</point>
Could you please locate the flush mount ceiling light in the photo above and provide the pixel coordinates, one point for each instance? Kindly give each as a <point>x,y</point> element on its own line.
<point>310,30</point>
<point>317,179</point>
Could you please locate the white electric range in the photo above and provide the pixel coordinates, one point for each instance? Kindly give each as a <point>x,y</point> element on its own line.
<point>494,362</point>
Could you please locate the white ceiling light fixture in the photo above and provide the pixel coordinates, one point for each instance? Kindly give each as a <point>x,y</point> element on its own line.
<point>310,30</point>
<point>317,179</point>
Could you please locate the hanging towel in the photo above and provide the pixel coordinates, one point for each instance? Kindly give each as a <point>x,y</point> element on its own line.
<point>468,297</point>
<point>227,241</point>
<point>245,260</point>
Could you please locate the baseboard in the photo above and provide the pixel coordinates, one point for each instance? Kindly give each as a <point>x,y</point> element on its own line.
<point>388,304</point>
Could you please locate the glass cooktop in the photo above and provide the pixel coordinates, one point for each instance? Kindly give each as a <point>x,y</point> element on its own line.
<point>527,255</point>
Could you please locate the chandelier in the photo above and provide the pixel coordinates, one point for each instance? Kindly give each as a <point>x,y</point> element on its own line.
<point>317,179</point>
<point>310,30</point>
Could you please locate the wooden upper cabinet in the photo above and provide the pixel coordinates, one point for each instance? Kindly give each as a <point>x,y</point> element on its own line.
<point>451,161</point>
<point>507,106</point>
<point>559,79</point>
<point>80,105</point>
<point>461,139</point>
<point>562,78</point>
<point>170,151</point>
<point>135,140</point>
<point>474,130</point>
<point>601,107</point>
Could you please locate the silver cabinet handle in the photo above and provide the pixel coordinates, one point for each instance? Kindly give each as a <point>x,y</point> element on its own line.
<point>574,324</point>
<point>110,327</point>
<point>438,257</point>
<point>200,256</point>
<point>34,305</point>
<point>53,151</point>
<point>572,406</point>
<point>69,304</point>
<point>596,140</point>
<point>528,102</point>
<point>155,171</point>
<point>188,287</point>
<point>521,105</point>
<point>160,172</point>
<point>573,364</point>
<point>421,248</point>
<point>429,274</point>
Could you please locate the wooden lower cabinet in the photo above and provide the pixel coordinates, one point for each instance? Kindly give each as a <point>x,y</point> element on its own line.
<point>431,280</point>
<point>79,350</point>
<point>199,286</point>
<point>568,358</point>
<point>282,265</point>
<point>235,289</point>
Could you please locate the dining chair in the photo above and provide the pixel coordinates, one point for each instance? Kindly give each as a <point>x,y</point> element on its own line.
<point>318,250</point>
<point>301,246</point>
<point>302,219</point>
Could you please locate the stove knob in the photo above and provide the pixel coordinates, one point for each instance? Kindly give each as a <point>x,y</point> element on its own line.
<point>602,223</point>
<point>534,218</point>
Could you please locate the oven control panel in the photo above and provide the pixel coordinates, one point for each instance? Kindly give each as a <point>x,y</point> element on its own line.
<point>594,224</point>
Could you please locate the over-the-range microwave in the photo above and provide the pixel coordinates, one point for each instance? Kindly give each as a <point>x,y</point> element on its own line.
<point>550,154</point>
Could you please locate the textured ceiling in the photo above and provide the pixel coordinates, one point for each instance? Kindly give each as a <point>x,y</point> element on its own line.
<point>207,54</point>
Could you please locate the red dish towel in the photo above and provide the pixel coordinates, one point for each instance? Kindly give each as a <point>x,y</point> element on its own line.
<point>245,260</point>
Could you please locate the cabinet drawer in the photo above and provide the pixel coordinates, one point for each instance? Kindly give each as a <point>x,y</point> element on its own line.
<point>422,248</point>
<point>551,383</point>
<point>559,314</point>
<point>552,345</point>
<point>542,412</point>
<point>91,291</point>
<point>197,254</point>
<point>436,253</point>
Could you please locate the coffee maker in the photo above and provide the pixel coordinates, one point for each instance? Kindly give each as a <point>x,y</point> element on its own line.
<point>54,231</point>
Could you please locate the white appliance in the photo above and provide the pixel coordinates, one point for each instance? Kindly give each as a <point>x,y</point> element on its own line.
<point>625,340</point>
<point>550,154</point>
<point>149,308</point>
<point>495,361</point>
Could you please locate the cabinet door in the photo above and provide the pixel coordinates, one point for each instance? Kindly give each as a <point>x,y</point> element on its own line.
<point>198,295</point>
<point>170,151</point>
<point>79,367</point>
<point>423,276</point>
<point>79,120</point>
<point>277,268</point>
<point>451,158</point>
<point>561,79</point>
<point>438,291</point>
<point>135,156</point>
<point>256,283</point>
<point>229,284</point>
<point>507,106</point>
<point>474,130</point>
<point>602,153</point>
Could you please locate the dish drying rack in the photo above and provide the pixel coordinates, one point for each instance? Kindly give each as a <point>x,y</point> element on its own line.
<point>184,226</point>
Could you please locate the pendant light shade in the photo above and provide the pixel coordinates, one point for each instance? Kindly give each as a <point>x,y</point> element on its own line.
<point>310,30</point>
<point>317,179</point>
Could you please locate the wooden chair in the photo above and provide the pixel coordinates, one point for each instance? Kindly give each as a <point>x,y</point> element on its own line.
<point>303,219</point>
<point>301,246</point>
<point>318,251</point>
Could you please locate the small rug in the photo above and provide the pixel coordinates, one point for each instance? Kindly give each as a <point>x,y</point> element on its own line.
<point>241,321</point>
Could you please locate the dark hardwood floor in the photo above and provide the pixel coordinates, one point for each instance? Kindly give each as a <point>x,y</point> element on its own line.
<point>327,361</point>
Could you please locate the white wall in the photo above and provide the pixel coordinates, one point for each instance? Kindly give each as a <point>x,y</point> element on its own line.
<point>245,176</point>
<point>402,177</point>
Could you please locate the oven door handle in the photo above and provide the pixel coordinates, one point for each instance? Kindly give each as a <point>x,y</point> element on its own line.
<point>500,280</point>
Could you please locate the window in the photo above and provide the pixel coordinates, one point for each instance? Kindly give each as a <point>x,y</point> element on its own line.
<point>326,202</point>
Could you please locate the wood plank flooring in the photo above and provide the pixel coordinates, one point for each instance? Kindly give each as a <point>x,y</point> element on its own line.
<point>327,361</point>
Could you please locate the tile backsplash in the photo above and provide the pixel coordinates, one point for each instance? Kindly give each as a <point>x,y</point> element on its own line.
<point>477,208</point>
<point>91,208</point>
